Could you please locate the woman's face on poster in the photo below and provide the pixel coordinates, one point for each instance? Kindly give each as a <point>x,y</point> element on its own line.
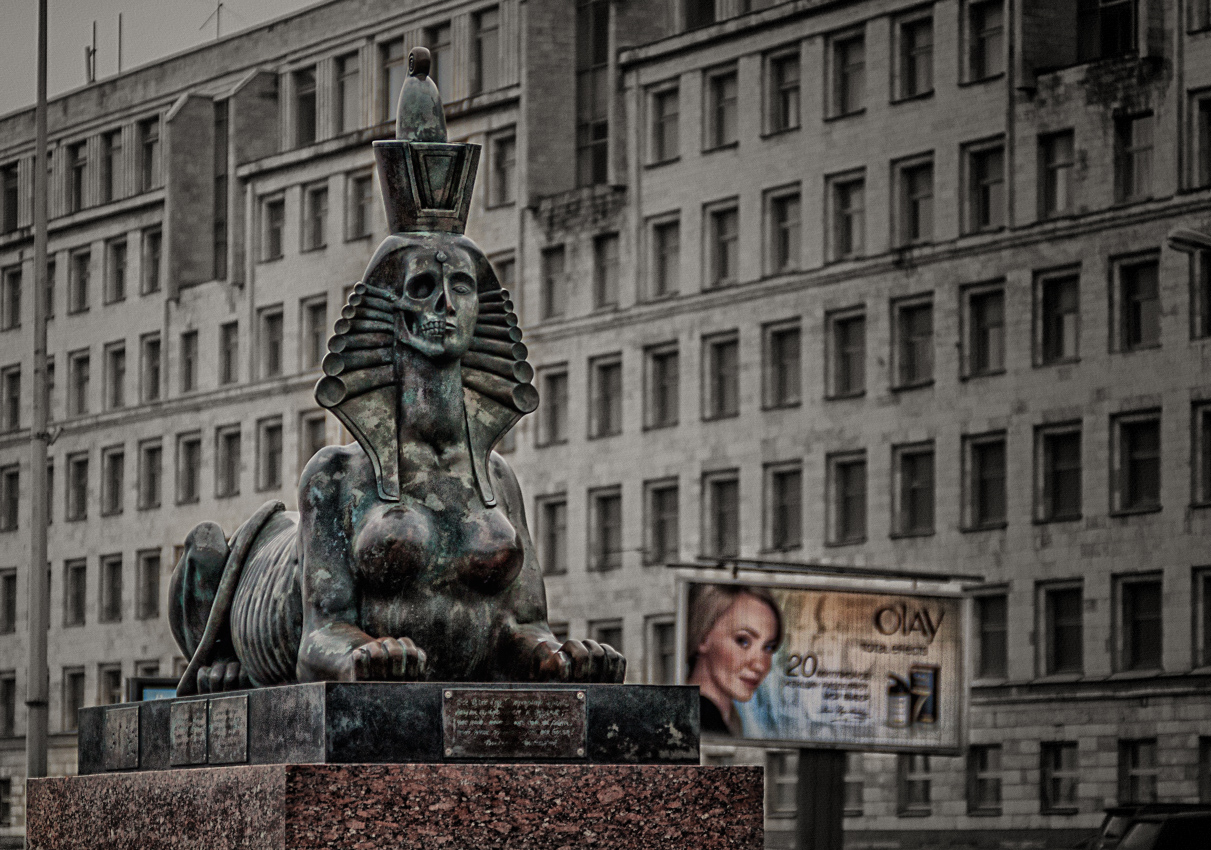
<point>738,651</point>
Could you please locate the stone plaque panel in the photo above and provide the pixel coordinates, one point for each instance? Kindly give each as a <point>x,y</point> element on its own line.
<point>122,738</point>
<point>187,732</point>
<point>229,730</point>
<point>513,724</point>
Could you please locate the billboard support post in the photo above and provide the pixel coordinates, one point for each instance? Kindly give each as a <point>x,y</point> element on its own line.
<point>820,799</point>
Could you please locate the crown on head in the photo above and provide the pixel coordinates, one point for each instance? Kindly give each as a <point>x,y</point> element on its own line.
<point>426,180</point>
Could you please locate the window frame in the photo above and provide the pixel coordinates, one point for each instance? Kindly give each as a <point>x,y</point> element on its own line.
<point>263,315</point>
<point>117,264</point>
<point>902,523</point>
<point>711,542</point>
<point>149,477</point>
<point>358,211</point>
<point>974,153</point>
<point>775,396</point>
<point>272,227</point>
<point>973,43</point>
<point>720,128</point>
<point>1050,662</point>
<point>969,294</point>
<point>144,610</point>
<point>721,244</point>
<point>1133,774</point>
<point>835,185</point>
<point>652,550</point>
<point>982,671</point>
<point>776,87</point>
<point>833,353</point>
<point>1052,771</point>
<point>109,592</point>
<point>184,442</point>
<point>908,225</point>
<point>1044,478</point>
<point>837,73</point>
<point>663,148</point>
<point>1051,166</point>
<point>264,480</point>
<point>553,283</point>
<point>659,270</point>
<point>502,185</point>
<point>836,497</point>
<point>902,56</point>
<point>714,393</point>
<point>113,490</point>
<point>313,338</point>
<point>1121,501</point>
<point>11,292</point>
<point>1134,159</point>
<point>607,271</point>
<point>546,538</point>
<point>911,772</point>
<point>602,559</point>
<point>1127,658</point>
<point>899,338</point>
<point>227,465</point>
<point>552,413</point>
<point>793,533</point>
<point>313,229</point>
<point>605,410</point>
<point>652,408</point>
<point>973,519</point>
<point>10,497</point>
<point>1043,280</point>
<point>978,773</point>
<point>1127,338</point>
<point>783,236</point>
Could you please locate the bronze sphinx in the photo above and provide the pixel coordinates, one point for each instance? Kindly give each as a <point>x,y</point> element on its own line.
<point>409,557</point>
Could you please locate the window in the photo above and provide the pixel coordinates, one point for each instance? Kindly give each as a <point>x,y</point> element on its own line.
<point>847,497</point>
<point>315,331</point>
<point>592,91</point>
<point>1058,308</point>
<point>782,384</point>
<point>1057,158</point>
<point>783,92</point>
<point>721,359</point>
<point>785,225</point>
<point>782,782</point>
<point>661,651</point>
<point>553,412</point>
<point>913,342</point>
<point>269,454</point>
<point>81,273</point>
<point>1200,16</point>
<point>554,283</point>
<point>1139,302</point>
<point>78,378</point>
<point>150,474</point>
<point>147,602</point>
<point>912,784</point>
<point>1200,144</point>
<point>153,245</point>
<point>1058,449</point>
<point>10,387</point>
<point>663,386</point>
<point>393,63</point>
<point>1201,453</point>
<point>721,520</point>
<point>77,176</point>
<point>699,13</point>
<point>113,477</point>
<point>984,779</point>
<point>115,376</point>
<point>115,271</point>
<point>503,188</point>
<point>847,231</point>
<point>1138,771</point>
<point>663,538</point>
<point>1105,29</point>
<point>666,258</point>
<point>553,534</point>
<point>8,608</point>
<point>219,220</point>
<point>914,208</point>
<point>149,367</point>
<point>189,361</point>
<point>666,118</point>
<point>605,271</point>
<point>1136,465</point>
<point>8,727</point>
<point>227,461</point>
<point>848,90</point>
<point>110,610</point>
<point>606,517</point>
<point>607,632</point>
<point>1204,768</point>
<point>109,684</point>
<point>984,352</point>
<point>10,497</point>
<point>441,68</point>
<point>985,500</point>
<point>723,247</point>
<point>10,298</point>
<point>1063,645</point>
<point>985,39</point>
<point>10,198</point>
<point>784,507</point>
<point>73,697</point>
<point>229,353</point>
<point>348,93</point>
<point>485,55</point>
<point>315,217</point>
<point>1133,157</point>
<point>605,375</point>
<point>189,467</point>
<point>273,221</point>
<point>992,636</point>
<point>914,489</point>
<point>985,187</point>
<point>304,106</point>
<point>50,288</point>
<point>149,154</point>
<point>1059,776</point>
<point>313,436</point>
<point>75,576</point>
<point>846,353</point>
<point>722,127</point>
<point>915,57</point>
<point>269,325</point>
<point>1140,631</point>
<point>361,203</point>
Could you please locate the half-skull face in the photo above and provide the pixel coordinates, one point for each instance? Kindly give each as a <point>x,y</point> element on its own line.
<point>438,300</point>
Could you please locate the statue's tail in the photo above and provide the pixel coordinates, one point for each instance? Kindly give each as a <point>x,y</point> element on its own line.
<point>202,588</point>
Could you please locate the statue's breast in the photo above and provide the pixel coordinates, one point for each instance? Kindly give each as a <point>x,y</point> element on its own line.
<point>410,543</point>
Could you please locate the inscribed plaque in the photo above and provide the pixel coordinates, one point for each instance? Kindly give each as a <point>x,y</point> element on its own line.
<point>229,729</point>
<point>122,738</point>
<point>187,728</point>
<point>513,724</point>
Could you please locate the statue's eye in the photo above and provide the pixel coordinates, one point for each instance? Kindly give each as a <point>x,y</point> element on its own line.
<point>420,286</point>
<point>463,285</point>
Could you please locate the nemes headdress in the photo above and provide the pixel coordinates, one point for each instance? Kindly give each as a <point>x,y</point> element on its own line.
<point>426,184</point>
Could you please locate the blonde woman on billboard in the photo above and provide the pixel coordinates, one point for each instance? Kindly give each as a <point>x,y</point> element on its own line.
<point>733,633</point>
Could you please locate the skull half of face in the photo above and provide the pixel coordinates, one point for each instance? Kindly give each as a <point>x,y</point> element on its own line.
<point>438,303</point>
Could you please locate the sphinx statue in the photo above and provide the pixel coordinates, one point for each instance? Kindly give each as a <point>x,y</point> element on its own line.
<point>409,556</point>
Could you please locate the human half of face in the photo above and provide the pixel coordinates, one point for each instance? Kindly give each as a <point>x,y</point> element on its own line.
<point>438,300</point>
<point>738,651</point>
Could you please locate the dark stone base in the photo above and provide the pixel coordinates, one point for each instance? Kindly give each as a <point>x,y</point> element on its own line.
<point>403,807</point>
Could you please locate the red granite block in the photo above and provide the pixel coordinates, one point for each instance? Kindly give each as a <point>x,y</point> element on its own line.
<point>358,807</point>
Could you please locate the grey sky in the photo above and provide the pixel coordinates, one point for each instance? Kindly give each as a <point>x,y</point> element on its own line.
<point>151,29</point>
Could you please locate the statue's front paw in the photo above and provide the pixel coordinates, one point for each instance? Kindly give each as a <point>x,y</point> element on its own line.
<point>388,659</point>
<point>578,661</point>
<point>222,676</point>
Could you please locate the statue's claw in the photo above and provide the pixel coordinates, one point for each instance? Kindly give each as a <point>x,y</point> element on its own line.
<point>578,661</point>
<point>222,676</point>
<point>388,659</point>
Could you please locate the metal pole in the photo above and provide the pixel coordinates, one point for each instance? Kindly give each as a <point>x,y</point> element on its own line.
<point>36,677</point>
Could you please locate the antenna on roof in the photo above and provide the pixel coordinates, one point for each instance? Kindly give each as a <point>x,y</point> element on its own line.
<point>90,58</point>
<point>217,14</point>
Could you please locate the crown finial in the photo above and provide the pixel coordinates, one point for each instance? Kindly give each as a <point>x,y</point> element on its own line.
<point>419,116</point>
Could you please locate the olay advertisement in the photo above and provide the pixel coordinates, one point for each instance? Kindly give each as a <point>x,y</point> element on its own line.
<point>839,668</point>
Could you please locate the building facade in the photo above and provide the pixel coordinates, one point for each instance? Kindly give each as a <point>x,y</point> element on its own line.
<point>868,283</point>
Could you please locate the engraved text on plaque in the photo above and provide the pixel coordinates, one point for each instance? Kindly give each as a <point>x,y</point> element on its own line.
<point>187,728</point>
<point>122,738</point>
<point>513,724</point>
<point>229,729</point>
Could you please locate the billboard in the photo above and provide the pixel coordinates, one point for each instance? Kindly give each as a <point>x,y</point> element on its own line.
<point>827,666</point>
